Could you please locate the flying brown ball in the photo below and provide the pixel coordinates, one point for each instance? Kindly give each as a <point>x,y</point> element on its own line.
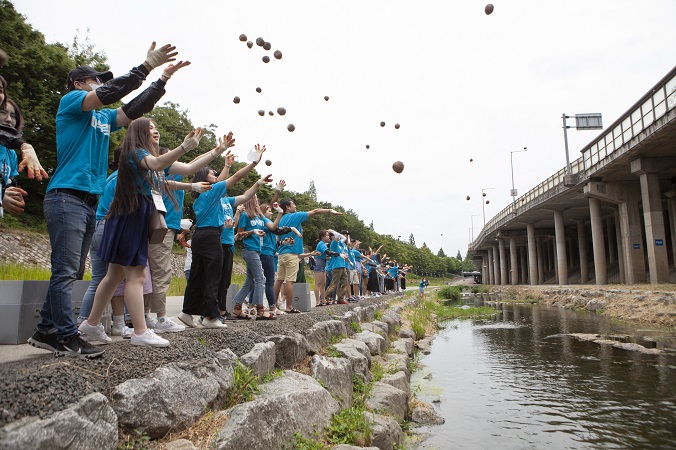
<point>258,90</point>
<point>398,166</point>
<point>487,202</point>
<point>271,113</point>
<point>266,59</point>
<point>326,97</point>
<point>267,46</point>
<point>242,37</point>
<point>236,99</point>
<point>382,124</point>
<point>396,126</point>
<point>281,111</point>
<point>468,197</point>
<point>489,9</point>
<point>277,54</point>
<point>290,127</point>
<point>268,162</point>
<point>261,112</point>
<point>368,146</point>
<point>249,44</point>
<point>260,41</point>
<point>471,160</point>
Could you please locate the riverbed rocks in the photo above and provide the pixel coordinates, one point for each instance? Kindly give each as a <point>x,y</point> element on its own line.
<point>404,345</point>
<point>388,399</point>
<point>173,397</point>
<point>336,375</point>
<point>386,432</point>
<point>375,342</point>
<point>291,350</point>
<point>424,414</point>
<point>606,340</point>
<point>399,381</point>
<point>288,404</point>
<point>88,423</point>
<point>359,356</point>
<point>424,345</point>
<point>261,359</point>
<point>319,335</point>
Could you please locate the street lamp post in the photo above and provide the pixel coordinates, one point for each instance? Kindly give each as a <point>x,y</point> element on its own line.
<point>511,164</point>
<point>472,220</point>
<point>483,202</point>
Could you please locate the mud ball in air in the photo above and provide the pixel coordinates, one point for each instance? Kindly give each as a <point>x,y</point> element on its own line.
<point>261,112</point>
<point>488,202</point>
<point>468,197</point>
<point>260,41</point>
<point>326,97</point>
<point>266,59</point>
<point>471,160</point>
<point>368,146</point>
<point>488,9</point>
<point>271,113</point>
<point>281,111</point>
<point>277,54</point>
<point>242,37</point>
<point>398,166</point>
<point>236,99</point>
<point>382,124</point>
<point>267,46</point>
<point>259,90</point>
<point>290,127</point>
<point>396,126</point>
<point>249,44</point>
<point>268,162</point>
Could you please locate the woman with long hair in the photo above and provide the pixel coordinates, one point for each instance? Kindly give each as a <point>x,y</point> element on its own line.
<point>124,244</point>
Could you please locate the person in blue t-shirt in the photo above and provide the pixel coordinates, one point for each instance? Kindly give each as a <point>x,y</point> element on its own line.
<point>320,267</point>
<point>288,253</point>
<point>124,243</point>
<point>82,138</point>
<point>341,266</point>
<point>11,196</point>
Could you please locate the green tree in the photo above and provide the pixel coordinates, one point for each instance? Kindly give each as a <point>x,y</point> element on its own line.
<point>458,256</point>
<point>411,240</point>
<point>441,253</point>
<point>312,191</point>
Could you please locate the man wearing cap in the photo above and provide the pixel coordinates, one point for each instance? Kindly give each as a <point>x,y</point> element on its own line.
<point>287,266</point>
<point>82,138</point>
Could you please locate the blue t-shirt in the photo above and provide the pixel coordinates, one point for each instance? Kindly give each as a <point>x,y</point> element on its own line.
<point>247,223</point>
<point>82,140</point>
<point>228,234</point>
<point>269,246</point>
<point>340,262</point>
<point>143,184</point>
<point>292,220</point>
<point>174,213</point>
<point>393,271</point>
<point>321,248</point>
<point>9,167</point>
<point>107,197</point>
<point>207,206</point>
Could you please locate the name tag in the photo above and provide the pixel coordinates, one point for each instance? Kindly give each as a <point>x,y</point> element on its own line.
<point>159,203</point>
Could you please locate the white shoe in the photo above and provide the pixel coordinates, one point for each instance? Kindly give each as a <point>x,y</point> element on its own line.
<point>151,323</point>
<point>166,325</point>
<point>127,332</point>
<point>92,333</point>
<point>149,339</point>
<point>187,320</point>
<point>213,323</point>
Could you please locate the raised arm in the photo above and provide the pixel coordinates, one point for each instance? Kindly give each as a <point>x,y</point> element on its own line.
<point>229,161</point>
<point>240,199</point>
<point>161,162</point>
<point>280,212</point>
<point>241,173</point>
<point>324,211</point>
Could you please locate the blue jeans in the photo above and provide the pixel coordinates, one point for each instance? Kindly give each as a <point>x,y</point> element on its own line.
<point>268,263</point>
<point>99,269</point>
<point>71,224</point>
<point>254,279</point>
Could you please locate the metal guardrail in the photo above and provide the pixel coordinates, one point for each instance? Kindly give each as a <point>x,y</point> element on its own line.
<point>650,108</point>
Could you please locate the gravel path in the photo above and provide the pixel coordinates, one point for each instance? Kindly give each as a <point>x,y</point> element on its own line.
<point>41,386</point>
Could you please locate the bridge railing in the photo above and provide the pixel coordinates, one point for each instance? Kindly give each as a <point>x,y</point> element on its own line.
<point>650,108</point>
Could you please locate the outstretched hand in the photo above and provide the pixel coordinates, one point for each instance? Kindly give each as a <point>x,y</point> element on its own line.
<point>173,68</point>
<point>157,57</point>
<point>260,150</point>
<point>192,140</point>
<point>29,160</point>
<point>336,213</point>
<point>225,143</point>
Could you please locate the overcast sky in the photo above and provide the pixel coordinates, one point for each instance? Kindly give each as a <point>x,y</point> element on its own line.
<point>462,84</point>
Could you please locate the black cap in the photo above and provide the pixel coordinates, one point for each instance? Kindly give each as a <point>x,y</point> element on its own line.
<point>344,232</point>
<point>82,72</point>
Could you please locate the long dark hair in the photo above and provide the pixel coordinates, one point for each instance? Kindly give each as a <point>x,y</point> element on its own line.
<point>138,137</point>
<point>3,83</point>
<point>17,111</point>
<point>200,175</point>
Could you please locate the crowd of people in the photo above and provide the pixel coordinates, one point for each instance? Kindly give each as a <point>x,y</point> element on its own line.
<point>127,222</point>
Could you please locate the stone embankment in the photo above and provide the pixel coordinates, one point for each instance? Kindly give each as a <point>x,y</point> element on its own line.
<point>164,394</point>
<point>653,305</point>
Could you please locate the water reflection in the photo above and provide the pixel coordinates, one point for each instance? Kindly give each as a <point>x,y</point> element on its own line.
<point>516,381</point>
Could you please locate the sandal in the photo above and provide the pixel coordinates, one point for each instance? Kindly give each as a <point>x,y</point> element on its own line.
<point>321,304</point>
<point>237,313</point>
<point>261,314</point>
<point>292,311</point>
<point>279,312</point>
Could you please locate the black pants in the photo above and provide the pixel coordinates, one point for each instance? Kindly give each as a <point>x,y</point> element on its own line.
<point>226,275</point>
<point>201,293</point>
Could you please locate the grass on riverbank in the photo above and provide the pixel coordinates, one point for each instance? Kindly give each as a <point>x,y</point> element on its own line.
<point>425,317</point>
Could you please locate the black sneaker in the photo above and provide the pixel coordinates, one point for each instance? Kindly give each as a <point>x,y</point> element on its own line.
<point>44,341</point>
<point>76,346</point>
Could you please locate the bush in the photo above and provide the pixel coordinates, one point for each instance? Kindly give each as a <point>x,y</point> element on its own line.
<point>452,293</point>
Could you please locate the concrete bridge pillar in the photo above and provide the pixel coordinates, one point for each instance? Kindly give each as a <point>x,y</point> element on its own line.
<point>503,262</point>
<point>496,265</point>
<point>620,256</point>
<point>513,263</point>
<point>658,261</point>
<point>582,250</point>
<point>671,206</point>
<point>540,260</point>
<point>561,258</point>
<point>612,245</point>
<point>491,277</point>
<point>532,255</point>
<point>598,244</point>
<point>524,262</point>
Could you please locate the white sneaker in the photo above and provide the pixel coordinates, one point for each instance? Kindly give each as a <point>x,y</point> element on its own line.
<point>166,325</point>
<point>187,320</point>
<point>213,323</point>
<point>92,333</point>
<point>116,329</point>
<point>151,323</point>
<point>127,332</point>
<point>149,339</point>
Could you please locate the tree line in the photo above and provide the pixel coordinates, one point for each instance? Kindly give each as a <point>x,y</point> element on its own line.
<point>36,77</point>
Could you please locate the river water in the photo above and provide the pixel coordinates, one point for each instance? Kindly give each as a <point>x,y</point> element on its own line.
<point>516,381</point>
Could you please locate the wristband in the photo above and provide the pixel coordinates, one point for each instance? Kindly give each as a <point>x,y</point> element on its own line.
<point>228,165</point>
<point>213,154</point>
<point>182,147</point>
<point>261,182</point>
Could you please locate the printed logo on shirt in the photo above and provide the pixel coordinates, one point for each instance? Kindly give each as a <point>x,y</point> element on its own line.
<point>103,127</point>
<point>256,222</point>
